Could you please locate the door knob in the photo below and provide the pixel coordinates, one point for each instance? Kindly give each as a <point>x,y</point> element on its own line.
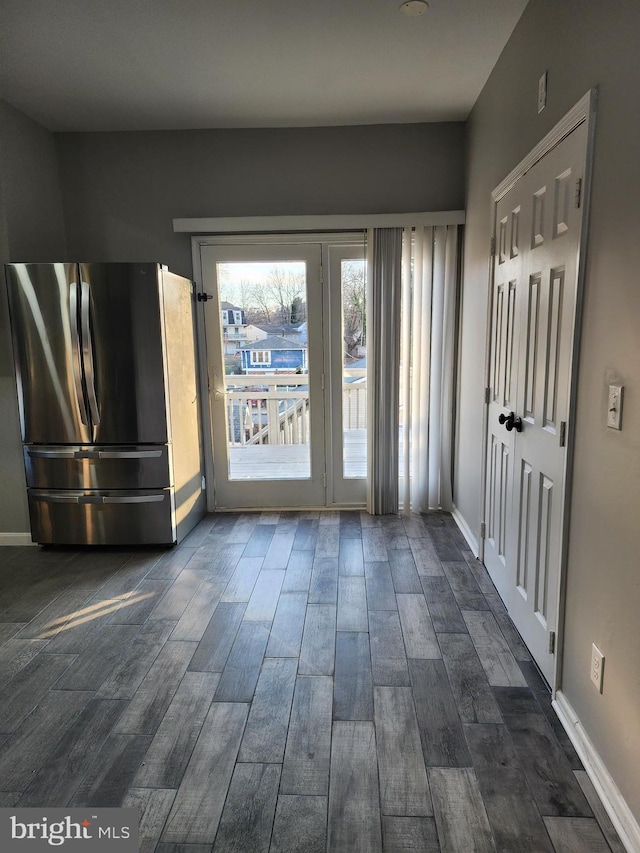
<point>510,421</point>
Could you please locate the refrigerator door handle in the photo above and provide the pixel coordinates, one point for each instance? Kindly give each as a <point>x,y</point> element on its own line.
<point>87,353</point>
<point>75,355</point>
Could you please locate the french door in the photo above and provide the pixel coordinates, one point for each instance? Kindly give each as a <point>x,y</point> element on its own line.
<point>534,299</point>
<point>282,357</point>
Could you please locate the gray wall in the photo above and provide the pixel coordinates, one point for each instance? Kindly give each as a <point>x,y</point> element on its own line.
<point>31,229</point>
<point>582,45</point>
<point>122,190</point>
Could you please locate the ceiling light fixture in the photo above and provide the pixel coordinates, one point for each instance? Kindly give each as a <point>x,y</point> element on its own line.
<point>413,8</point>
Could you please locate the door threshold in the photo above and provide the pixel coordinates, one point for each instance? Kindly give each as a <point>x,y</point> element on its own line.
<point>334,508</point>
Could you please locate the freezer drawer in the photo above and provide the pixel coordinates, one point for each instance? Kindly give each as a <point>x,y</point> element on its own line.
<point>111,517</point>
<point>97,467</point>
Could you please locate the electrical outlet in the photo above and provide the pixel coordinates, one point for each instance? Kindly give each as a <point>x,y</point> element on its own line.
<point>597,666</point>
<point>542,92</point>
<point>614,406</point>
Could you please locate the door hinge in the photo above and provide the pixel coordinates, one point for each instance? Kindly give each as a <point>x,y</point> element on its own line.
<point>493,247</point>
<point>563,433</point>
<point>552,642</point>
<point>322,378</point>
<point>321,274</point>
<point>324,480</point>
<point>578,196</point>
<point>483,530</point>
<point>487,395</point>
<point>204,484</point>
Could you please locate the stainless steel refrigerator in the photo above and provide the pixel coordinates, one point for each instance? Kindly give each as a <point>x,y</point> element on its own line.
<point>107,393</point>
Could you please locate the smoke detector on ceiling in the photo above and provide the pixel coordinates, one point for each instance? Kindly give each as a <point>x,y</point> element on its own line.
<point>413,8</point>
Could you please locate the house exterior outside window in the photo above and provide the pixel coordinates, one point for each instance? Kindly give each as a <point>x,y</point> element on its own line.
<point>234,328</point>
<point>274,354</point>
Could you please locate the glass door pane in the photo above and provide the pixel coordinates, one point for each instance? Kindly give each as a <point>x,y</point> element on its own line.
<point>354,368</point>
<point>263,320</point>
<point>264,345</point>
<point>348,360</point>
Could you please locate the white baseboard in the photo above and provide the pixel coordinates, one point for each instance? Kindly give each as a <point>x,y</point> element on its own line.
<point>16,539</point>
<point>621,816</point>
<point>465,530</point>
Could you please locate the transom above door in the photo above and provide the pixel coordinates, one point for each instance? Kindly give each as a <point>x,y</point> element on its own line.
<point>286,367</point>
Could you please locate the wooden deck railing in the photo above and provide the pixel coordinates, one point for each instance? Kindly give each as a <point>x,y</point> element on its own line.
<point>354,398</point>
<point>274,409</point>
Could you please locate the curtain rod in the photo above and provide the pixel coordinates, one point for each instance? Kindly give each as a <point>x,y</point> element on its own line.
<point>337,222</point>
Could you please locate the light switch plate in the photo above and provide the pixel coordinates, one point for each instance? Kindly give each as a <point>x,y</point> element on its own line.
<point>542,92</point>
<point>614,406</point>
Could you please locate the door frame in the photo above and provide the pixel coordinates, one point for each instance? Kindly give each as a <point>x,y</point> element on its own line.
<point>236,492</point>
<point>583,111</point>
<point>197,244</point>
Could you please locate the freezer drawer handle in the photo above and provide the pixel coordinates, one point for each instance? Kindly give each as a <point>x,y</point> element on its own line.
<point>99,499</point>
<point>37,453</point>
<point>58,499</point>
<point>116,454</point>
<point>129,454</point>
<point>50,454</point>
<point>133,499</point>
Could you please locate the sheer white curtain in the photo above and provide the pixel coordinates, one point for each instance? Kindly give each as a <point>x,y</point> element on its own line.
<point>419,374</point>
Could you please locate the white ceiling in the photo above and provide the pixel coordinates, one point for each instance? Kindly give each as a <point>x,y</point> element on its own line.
<point>169,64</point>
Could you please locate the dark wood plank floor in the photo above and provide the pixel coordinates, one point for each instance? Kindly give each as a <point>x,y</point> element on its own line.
<point>287,683</point>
